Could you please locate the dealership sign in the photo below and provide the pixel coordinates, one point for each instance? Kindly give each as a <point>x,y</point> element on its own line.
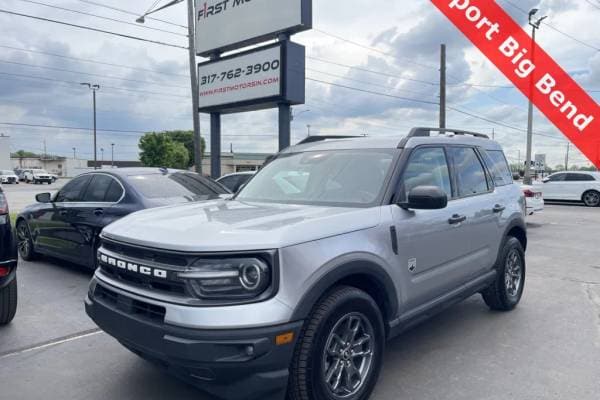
<point>256,79</point>
<point>223,25</point>
<point>533,71</point>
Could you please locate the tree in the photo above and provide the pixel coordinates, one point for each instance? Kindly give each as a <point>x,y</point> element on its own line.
<point>159,150</point>
<point>186,138</point>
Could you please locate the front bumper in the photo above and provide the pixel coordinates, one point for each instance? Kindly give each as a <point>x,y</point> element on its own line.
<point>229,364</point>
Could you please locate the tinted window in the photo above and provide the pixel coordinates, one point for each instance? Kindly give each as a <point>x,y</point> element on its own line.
<point>334,177</point>
<point>73,190</point>
<point>579,178</point>
<point>470,174</point>
<point>114,193</point>
<point>231,182</point>
<point>427,167</point>
<point>498,167</point>
<point>180,184</point>
<point>98,189</point>
<point>557,178</point>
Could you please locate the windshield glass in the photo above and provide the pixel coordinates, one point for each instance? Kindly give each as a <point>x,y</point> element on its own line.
<point>352,178</point>
<point>188,185</point>
<point>40,172</point>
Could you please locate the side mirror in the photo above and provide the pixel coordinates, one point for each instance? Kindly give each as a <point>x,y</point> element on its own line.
<point>546,180</point>
<point>426,198</point>
<point>43,198</point>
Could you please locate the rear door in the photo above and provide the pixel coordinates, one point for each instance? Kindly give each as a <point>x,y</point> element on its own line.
<point>555,187</point>
<point>576,184</point>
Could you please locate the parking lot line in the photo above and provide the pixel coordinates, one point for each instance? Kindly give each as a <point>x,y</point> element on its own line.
<point>50,343</point>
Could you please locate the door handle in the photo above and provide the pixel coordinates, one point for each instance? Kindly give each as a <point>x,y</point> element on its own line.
<point>98,212</point>
<point>498,208</point>
<point>457,219</point>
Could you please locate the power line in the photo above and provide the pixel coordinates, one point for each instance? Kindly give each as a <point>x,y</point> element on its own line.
<point>78,83</point>
<point>554,28</point>
<point>92,61</point>
<point>373,92</point>
<point>93,29</point>
<point>91,74</point>
<point>120,21</point>
<point>593,4</point>
<point>130,13</point>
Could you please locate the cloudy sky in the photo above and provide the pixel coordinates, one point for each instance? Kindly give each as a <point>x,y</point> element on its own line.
<point>392,48</point>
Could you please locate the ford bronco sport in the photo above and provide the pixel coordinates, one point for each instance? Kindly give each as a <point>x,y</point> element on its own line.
<point>292,287</point>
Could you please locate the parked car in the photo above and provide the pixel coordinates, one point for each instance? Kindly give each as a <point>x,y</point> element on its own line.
<point>234,182</point>
<point>54,177</point>
<point>37,176</point>
<point>333,247</point>
<point>8,265</point>
<point>20,174</point>
<point>572,186</point>
<point>66,225</point>
<point>534,199</point>
<point>8,177</point>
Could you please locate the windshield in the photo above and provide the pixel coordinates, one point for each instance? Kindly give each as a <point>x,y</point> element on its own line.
<point>352,178</point>
<point>40,171</point>
<point>180,184</point>
<point>5,172</point>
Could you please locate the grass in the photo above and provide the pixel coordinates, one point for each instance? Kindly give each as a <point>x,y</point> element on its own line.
<point>13,218</point>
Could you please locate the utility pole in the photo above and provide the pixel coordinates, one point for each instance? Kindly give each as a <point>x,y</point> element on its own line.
<point>567,156</point>
<point>308,129</point>
<point>493,134</point>
<point>94,88</point>
<point>534,27</point>
<point>193,74</point>
<point>112,155</point>
<point>45,153</point>
<point>74,153</point>
<point>102,155</point>
<point>443,87</point>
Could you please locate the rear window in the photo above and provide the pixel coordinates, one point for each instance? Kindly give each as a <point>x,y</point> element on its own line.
<point>180,184</point>
<point>498,166</point>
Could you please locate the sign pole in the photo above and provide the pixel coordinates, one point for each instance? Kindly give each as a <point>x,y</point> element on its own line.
<point>194,85</point>
<point>215,137</point>
<point>285,126</point>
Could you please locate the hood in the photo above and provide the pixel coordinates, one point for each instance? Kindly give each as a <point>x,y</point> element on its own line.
<point>223,225</point>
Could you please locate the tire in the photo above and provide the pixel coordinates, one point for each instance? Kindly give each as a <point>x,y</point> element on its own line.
<point>329,327</point>
<point>506,291</point>
<point>25,243</point>
<point>591,198</point>
<point>8,302</point>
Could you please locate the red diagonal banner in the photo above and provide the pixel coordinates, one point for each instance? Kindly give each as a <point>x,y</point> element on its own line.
<point>530,69</point>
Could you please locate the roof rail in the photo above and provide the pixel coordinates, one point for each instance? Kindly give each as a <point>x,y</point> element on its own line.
<point>426,132</point>
<point>314,139</point>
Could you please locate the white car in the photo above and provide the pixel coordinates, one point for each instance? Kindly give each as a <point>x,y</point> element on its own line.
<point>534,199</point>
<point>7,176</point>
<point>37,176</point>
<point>572,186</point>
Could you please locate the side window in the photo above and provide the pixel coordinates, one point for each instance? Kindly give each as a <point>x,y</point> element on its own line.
<point>498,167</point>
<point>114,193</point>
<point>97,189</point>
<point>557,178</point>
<point>579,178</point>
<point>427,167</point>
<point>470,174</point>
<point>72,192</point>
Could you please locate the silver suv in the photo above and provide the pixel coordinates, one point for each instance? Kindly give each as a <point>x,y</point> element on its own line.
<point>293,287</point>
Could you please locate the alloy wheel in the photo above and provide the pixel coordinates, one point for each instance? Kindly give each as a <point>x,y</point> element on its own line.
<point>513,273</point>
<point>591,199</point>
<point>24,243</point>
<point>348,355</point>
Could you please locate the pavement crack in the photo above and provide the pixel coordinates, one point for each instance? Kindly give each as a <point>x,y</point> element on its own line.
<point>594,299</point>
<point>50,343</point>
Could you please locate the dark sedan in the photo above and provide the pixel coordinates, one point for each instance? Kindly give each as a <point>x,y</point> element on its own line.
<point>8,265</point>
<point>67,225</point>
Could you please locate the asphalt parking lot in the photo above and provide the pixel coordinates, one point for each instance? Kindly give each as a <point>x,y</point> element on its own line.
<point>21,195</point>
<point>549,348</point>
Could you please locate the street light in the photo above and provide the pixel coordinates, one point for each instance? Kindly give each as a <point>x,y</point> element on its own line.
<point>74,153</point>
<point>293,116</point>
<point>308,129</point>
<point>112,155</point>
<point>102,159</point>
<point>193,75</point>
<point>94,88</point>
<point>535,25</point>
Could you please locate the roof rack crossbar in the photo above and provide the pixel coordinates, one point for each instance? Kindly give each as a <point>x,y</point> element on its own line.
<point>426,132</point>
<point>320,138</point>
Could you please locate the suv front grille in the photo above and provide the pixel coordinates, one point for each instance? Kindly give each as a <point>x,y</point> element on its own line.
<point>130,306</point>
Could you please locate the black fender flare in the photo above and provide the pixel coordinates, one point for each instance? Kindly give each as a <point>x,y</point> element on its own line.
<point>343,269</point>
<point>517,223</point>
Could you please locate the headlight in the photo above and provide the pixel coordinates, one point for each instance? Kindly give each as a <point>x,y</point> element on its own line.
<point>236,278</point>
